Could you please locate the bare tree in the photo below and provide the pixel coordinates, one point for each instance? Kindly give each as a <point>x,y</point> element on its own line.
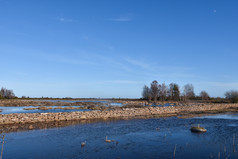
<point>10,94</point>
<point>189,91</point>
<point>232,95</point>
<point>154,90</point>
<point>146,92</point>
<point>204,95</point>
<point>2,92</point>
<point>5,93</point>
<point>170,91</point>
<point>159,91</point>
<point>163,92</point>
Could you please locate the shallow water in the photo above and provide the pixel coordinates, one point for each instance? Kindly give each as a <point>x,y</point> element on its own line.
<point>10,110</point>
<point>137,138</point>
<point>14,109</point>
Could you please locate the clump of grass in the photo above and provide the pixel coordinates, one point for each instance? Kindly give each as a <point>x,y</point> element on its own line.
<point>93,107</point>
<point>44,108</point>
<point>29,108</point>
<point>70,108</point>
<point>133,106</point>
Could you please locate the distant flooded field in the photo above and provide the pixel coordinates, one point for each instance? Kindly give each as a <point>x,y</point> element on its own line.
<point>54,109</point>
<point>134,139</point>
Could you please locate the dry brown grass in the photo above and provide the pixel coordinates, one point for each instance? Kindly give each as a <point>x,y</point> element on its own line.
<point>29,108</point>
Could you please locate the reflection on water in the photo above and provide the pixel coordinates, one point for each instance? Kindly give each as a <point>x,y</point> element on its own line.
<point>10,110</point>
<point>220,116</point>
<point>134,139</point>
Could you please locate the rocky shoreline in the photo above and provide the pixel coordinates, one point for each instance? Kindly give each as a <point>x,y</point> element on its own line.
<point>8,119</point>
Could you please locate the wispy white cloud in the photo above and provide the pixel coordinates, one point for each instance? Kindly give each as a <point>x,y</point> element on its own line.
<point>141,69</point>
<point>121,19</point>
<point>138,63</point>
<point>163,70</point>
<point>114,62</point>
<point>60,58</point>
<point>67,60</point>
<point>64,19</point>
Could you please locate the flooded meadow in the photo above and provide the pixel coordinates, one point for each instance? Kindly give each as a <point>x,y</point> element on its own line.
<point>135,138</point>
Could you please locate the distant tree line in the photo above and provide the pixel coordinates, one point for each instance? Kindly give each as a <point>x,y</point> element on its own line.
<point>6,94</point>
<point>172,92</point>
<point>232,96</point>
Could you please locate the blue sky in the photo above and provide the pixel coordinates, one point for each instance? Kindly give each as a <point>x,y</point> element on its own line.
<point>105,48</point>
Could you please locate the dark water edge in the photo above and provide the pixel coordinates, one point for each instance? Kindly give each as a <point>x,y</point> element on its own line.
<point>134,138</point>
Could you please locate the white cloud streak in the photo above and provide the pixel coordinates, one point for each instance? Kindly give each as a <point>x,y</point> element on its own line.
<point>60,58</point>
<point>138,63</point>
<point>64,19</point>
<point>121,19</point>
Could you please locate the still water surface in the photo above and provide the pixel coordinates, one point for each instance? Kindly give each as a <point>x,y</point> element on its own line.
<point>10,110</point>
<point>134,139</point>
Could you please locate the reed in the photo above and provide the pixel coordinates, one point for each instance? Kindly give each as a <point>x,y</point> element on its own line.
<point>234,136</point>
<point>174,151</point>
<point>234,139</point>
<point>224,150</point>
<point>2,137</point>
